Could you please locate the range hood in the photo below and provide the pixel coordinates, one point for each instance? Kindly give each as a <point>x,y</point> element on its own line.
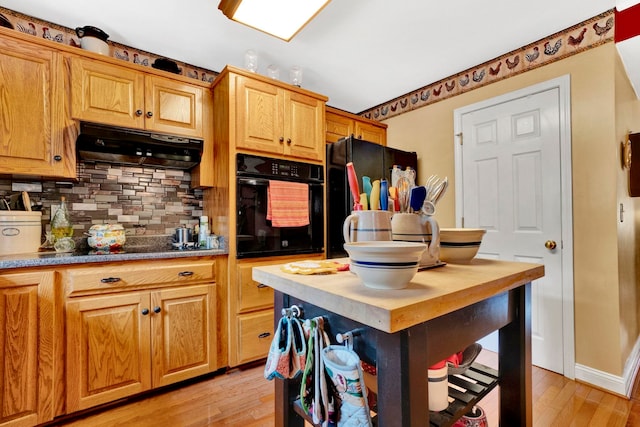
<point>109,144</point>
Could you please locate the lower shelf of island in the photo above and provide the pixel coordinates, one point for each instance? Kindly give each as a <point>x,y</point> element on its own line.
<point>465,391</point>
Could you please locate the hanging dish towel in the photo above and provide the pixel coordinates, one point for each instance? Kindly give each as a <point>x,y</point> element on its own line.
<point>288,204</point>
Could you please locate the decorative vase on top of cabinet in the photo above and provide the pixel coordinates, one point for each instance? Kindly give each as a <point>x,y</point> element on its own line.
<point>121,96</point>
<point>341,124</point>
<point>33,139</point>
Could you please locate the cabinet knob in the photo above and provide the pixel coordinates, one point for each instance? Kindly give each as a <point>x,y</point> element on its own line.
<point>149,114</point>
<point>145,311</point>
<point>185,273</point>
<point>264,335</point>
<point>281,139</point>
<point>57,157</point>
<point>138,113</point>
<point>110,280</point>
<point>288,141</point>
<point>157,309</point>
<point>262,285</point>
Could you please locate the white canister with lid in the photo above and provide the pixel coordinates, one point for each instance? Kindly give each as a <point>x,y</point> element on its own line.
<point>20,232</point>
<point>93,39</point>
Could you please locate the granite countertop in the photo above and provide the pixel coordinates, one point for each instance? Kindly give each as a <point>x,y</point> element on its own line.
<point>136,248</point>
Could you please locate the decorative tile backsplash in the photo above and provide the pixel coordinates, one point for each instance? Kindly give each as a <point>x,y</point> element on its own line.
<point>144,200</point>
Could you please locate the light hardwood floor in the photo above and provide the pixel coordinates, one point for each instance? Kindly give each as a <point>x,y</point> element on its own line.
<point>242,397</point>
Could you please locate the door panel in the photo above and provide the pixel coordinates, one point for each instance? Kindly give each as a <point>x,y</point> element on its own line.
<point>512,188</point>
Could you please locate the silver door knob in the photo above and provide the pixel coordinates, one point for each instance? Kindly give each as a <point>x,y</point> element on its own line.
<point>550,244</point>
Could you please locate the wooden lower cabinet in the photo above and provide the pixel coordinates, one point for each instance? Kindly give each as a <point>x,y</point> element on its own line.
<point>122,344</point>
<point>26,348</point>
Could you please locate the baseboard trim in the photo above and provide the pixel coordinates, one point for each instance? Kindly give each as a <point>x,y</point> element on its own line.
<point>620,385</point>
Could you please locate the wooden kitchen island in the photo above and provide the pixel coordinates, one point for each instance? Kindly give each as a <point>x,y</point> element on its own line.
<point>402,332</point>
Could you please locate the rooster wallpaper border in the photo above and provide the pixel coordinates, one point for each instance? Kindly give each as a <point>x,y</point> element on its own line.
<point>67,36</point>
<point>578,38</point>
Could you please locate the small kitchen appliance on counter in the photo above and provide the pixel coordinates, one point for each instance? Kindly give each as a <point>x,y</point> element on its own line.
<point>20,232</point>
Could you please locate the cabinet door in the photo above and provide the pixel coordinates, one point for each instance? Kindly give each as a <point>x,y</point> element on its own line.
<point>32,109</point>
<point>105,93</point>
<point>371,133</point>
<point>173,107</point>
<point>337,127</point>
<point>26,348</point>
<point>259,116</point>
<point>304,126</point>
<point>184,333</point>
<point>108,348</point>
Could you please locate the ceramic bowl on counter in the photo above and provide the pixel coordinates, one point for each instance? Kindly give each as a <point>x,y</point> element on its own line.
<point>460,245</point>
<point>106,237</point>
<point>385,264</point>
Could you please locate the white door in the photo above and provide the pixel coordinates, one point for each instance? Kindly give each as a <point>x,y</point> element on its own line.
<point>512,186</point>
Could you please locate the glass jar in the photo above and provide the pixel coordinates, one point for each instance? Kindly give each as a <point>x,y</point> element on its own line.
<point>61,225</point>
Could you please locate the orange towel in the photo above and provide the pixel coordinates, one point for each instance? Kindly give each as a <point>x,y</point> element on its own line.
<point>288,204</point>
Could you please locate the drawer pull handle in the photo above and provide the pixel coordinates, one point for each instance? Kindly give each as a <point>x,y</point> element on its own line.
<point>185,273</point>
<point>110,280</point>
<point>145,311</point>
<point>157,309</point>
<point>262,285</point>
<point>264,335</point>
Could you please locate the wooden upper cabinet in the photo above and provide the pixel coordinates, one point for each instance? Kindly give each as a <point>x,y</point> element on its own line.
<point>110,94</point>
<point>341,124</point>
<point>32,128</point>
<point>275,120</point>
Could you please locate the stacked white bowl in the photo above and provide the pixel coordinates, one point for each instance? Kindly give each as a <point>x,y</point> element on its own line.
<point>460,245</point>
<point>385,264</point>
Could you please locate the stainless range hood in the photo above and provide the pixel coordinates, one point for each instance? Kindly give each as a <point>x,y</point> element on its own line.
<point>110,144</point>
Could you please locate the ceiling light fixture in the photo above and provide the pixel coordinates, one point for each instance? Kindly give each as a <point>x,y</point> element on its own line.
<point>280,18</point>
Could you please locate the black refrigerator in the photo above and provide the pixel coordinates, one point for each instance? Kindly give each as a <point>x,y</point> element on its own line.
<point>369,159</point>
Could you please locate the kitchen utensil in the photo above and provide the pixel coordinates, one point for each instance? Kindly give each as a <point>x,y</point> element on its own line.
<point>374,198</point>
<point>93,39</point>
<point>384,195</point>
<point>366,187</point>
<point>393,195</point>
<point>353,185</point>
<point>26,201</point>
<point>441,191</point>
<point>403,193</point>
<point>410,174</point>
<point>364,203</point>
<point>428,208</point>
<point>416,198</point>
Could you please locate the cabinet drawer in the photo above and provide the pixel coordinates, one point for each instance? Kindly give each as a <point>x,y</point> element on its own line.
<point>251,294</point>
<point>255,332</point>
<point>107,278</point>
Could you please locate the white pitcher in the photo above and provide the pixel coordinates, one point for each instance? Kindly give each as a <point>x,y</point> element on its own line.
<point>413,227</point>
<point>365,226</point>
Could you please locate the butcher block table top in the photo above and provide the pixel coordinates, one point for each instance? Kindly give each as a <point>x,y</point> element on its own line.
<point>430,294</point>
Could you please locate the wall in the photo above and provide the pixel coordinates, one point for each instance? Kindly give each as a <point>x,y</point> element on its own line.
<point>596,173</point>
<point>145,201</point>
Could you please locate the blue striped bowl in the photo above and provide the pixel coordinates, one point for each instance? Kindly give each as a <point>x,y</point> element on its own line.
<point>385,264</point>
<point>460,245</point>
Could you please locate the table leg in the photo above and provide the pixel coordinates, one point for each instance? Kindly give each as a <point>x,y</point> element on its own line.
<point>402,378</point>
<point>515,363</point>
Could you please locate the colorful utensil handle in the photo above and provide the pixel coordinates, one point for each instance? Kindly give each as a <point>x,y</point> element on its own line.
<point>384,195</point>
